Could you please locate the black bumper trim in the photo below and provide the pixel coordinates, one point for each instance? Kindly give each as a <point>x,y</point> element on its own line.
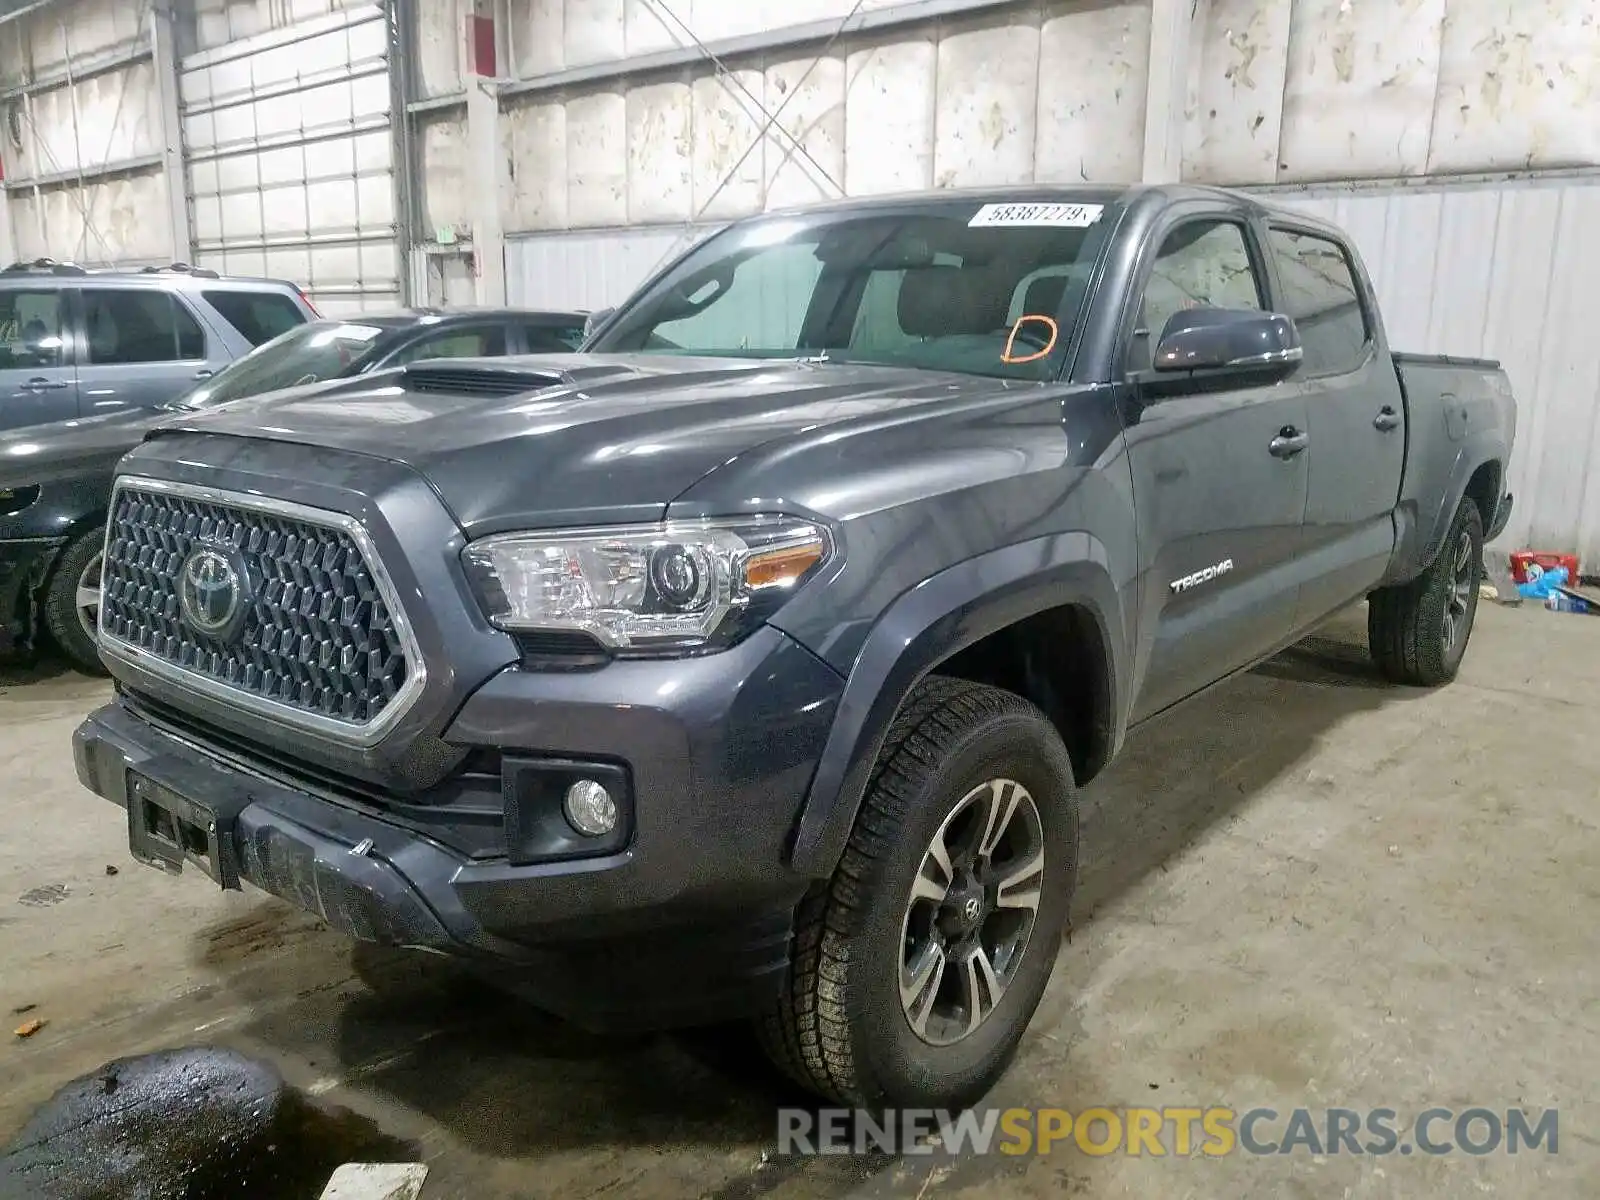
<point>376,881</point>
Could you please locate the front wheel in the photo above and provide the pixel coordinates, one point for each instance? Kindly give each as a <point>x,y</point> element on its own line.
<point>72,601</point>
<point>1418,632</point>
<point>915,971</point>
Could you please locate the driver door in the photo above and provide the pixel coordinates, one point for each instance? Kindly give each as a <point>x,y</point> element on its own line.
<point>1219,509</point>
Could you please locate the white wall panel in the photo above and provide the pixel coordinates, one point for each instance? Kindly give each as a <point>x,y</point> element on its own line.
<point>1050,90</point>
<point>1236,109</point>
<point>1517,86</point>
<point>589,270</point>
<point>112,221</point>
<point>290,154</point>
<point>1504,271</point>
<point>984,129</point>
<point>888,117</point>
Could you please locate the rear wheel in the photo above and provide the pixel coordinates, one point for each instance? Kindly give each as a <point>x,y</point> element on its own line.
<point>1418,632</point>
<point>72,601</point>
<point>916,970</point>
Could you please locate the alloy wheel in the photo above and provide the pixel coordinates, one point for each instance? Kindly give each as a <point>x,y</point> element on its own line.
<point>971,912</point>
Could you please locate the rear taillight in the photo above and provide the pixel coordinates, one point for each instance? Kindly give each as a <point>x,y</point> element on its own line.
<point>307,300</point>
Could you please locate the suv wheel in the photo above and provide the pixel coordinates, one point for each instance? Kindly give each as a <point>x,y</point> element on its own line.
<point>916,970</point>
<point>1418,631</point>
<point>72,601</point>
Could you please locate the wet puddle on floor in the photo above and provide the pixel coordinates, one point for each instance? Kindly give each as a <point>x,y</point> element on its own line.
<point>201,1123</point>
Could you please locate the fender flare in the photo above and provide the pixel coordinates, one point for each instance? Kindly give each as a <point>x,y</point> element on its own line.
<point>925,626</point>
<point>1466,466</point>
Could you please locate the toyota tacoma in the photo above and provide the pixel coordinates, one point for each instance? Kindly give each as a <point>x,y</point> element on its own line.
<point>749,662</point>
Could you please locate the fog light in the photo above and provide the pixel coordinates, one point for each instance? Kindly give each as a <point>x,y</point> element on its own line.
<point>590,809</point>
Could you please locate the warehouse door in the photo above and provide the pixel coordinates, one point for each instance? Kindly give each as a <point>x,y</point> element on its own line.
<point>291,159</point>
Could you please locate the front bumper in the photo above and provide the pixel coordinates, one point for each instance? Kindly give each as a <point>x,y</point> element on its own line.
<point>24,564</point>
<point>719,751</point>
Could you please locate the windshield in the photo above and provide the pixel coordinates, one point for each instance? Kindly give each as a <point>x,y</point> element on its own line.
<point>981,289</point>
<point>306,354</point>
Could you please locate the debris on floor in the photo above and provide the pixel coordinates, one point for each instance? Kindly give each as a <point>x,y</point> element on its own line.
<point>28,1028</point>
<point>376,1181</point>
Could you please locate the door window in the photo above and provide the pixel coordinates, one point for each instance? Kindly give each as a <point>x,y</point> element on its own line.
<point>1320,293</point>
<point>30,330</point>
<point>137,325</point>
<point>1201,264</point>
<point>258,316</point>
<point>483,341</point>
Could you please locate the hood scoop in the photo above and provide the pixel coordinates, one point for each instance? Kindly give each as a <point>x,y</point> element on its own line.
<point>478,379</point>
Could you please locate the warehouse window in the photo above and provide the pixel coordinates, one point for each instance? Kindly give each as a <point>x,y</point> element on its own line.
<point>1319,291</point>
<point>258,316</point>
<point>139,326</point>
<point>30,330</point>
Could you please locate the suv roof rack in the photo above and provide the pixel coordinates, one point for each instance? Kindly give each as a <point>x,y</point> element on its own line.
<point>45,265</point>
<point>183,269</point>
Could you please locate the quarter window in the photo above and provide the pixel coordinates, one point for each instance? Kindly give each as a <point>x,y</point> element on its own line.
<point>259,316</point>
<point>1201,264</point>
<point>1319,291</point>
<point>139,326</point>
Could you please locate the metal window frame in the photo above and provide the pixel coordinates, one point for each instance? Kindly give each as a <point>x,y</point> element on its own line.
<point>364,735</point>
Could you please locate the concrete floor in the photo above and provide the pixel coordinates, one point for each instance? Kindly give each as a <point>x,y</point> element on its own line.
<point>1309,889</point>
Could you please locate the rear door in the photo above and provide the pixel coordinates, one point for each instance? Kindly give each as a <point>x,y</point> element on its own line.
<point>1219,490</point>
<point>139,347</point>
<point>37,381</point>
<point>1355,419</point>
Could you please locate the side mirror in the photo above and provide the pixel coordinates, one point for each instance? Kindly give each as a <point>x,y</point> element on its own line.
<point>1231,339</point>
<point>594,320</point>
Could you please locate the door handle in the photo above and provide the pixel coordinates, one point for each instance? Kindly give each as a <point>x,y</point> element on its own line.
<point>1289,442</point>
<point>204,373</point>
<point>44,385</point>
<point>1386,419</point>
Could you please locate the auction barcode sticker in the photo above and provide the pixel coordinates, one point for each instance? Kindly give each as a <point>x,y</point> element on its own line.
<point>1072,216</point>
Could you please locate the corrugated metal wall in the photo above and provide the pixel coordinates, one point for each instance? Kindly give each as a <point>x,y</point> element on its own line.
<point>1507,271</point>
<point>1504,270</point>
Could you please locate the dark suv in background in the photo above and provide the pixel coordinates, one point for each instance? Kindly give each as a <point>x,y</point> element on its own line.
<point>76,342</point>
<point>55,480</point>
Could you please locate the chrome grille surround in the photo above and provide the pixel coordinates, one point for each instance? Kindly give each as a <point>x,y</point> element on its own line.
<point>327,647</point>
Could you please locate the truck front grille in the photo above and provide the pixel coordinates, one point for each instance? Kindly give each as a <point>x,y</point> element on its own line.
<point>317,636</point>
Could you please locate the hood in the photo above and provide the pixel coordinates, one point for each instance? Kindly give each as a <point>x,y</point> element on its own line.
<point>584,438</point>
<point>44,453</point>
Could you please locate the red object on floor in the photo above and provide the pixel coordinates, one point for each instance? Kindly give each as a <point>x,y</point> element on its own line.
<point>1541,561</point>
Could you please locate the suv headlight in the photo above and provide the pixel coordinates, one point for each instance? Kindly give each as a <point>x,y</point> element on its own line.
<point>675,587</point>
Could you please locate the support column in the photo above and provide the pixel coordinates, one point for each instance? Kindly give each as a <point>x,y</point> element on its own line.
<point>164,40</point>
<point>484,153</point>
<point>1172,46</point>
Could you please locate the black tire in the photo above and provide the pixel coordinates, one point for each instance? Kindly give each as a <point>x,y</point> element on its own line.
<point>841,1027</point>
<point>1406,624</point>
<point>61,602</point>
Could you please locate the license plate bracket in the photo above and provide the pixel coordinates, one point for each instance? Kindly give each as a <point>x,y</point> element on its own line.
<point>168,830</point>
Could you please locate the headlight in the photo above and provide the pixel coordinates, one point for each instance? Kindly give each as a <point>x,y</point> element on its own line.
<point>678,586</point>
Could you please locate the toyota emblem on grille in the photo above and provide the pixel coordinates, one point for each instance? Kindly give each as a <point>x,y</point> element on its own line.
<point>211,593</point>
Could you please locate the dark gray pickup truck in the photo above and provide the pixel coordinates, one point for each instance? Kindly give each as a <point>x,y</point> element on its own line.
<point>749,663</point>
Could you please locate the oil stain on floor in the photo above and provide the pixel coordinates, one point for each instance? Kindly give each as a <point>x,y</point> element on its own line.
<point>200,1123</point>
